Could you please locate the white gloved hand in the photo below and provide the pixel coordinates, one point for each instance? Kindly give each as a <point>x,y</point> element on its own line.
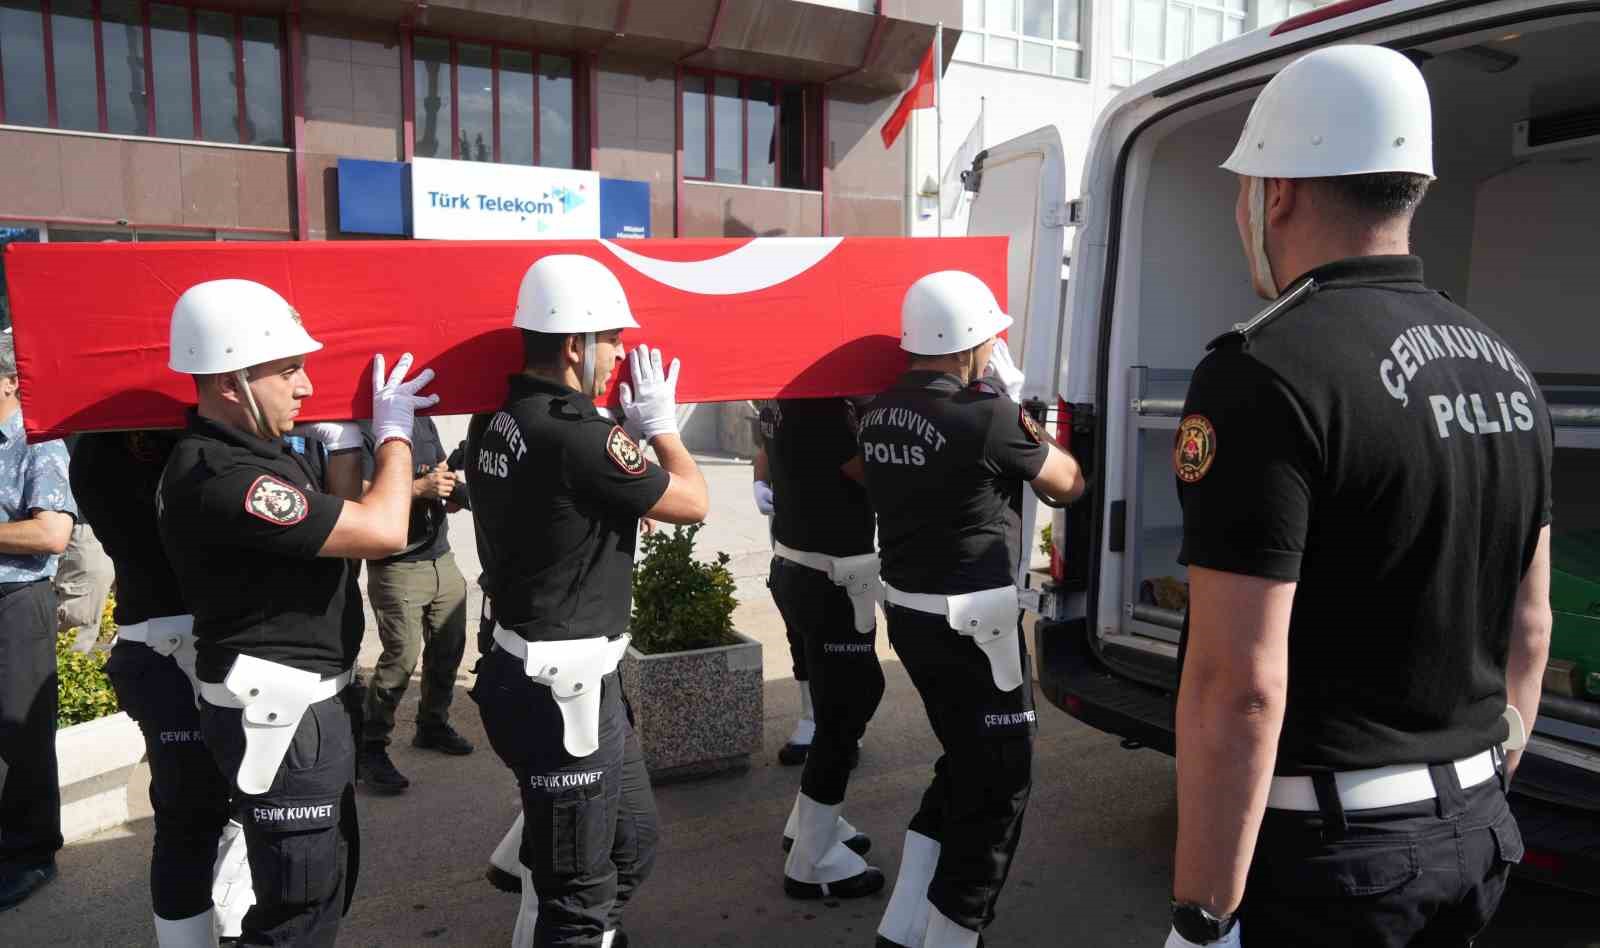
<point>651,402</point>
<point>395,401</point>
<point>1230,940</point>
<point>336,435</point>
<point>763,492</point>
<point>1003,373</point>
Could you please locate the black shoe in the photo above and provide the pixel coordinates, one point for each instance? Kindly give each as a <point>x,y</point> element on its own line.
<point>883,942</point>
<point>866,882</point>
<point>860,844</point>
<point>17,885</point>
<point>503,880</point>
<point>444,739</point>
<point>793,755</point>
<point>379,774</point>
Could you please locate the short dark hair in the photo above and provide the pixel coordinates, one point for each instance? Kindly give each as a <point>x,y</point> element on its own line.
<point>1384,194</point>
<point>542,350</point>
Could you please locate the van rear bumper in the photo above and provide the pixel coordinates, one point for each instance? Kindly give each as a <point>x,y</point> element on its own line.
<point>1074,680</point>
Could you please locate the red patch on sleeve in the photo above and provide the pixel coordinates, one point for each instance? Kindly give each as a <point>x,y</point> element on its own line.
<point>1194,449</point>
<point>277,503</point>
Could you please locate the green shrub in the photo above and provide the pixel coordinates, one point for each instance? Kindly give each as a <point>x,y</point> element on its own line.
<point>680,603</point>
<point>1044,540</point>
<point>86,692</point>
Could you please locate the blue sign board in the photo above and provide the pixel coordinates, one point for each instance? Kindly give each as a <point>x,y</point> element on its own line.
<point>624,208</point>
<point>374,197</point>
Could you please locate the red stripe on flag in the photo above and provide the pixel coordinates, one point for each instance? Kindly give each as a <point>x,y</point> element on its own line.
<point>919,96</point>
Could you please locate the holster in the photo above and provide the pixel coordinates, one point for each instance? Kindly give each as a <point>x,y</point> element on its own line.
<point>274,698</point>
<point>173,636</point>
<point>858,577</point>
<point>572,671</point>
<point>989,618</point>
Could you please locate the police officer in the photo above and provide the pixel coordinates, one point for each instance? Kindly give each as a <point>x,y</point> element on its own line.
<point>557,492</point>
<point>945,464</point>
<point>199,879</point>
<point>794,750</point>
<point>259,553</point>
<point>1365,477</point>
<point>825,583</point>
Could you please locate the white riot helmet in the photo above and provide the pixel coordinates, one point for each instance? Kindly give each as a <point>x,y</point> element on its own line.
<point>949,311</point>
<point>567,293</point>
<point>1343,110</point>
<point>227,326</point>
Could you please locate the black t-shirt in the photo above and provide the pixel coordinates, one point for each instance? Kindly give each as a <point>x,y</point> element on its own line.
<point>945,467</point>
<point>816,508</point>
<point>557,492</point>
<point>242,520</point>
<point>114,478</point>
<point>428,536</point>
<point>1380,446</point>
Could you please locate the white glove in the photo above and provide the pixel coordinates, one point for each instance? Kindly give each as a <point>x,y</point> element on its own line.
<point>629,426</point>
<point>336,435</point>
<point>395,401</point>
<point>1003,373</point>
<point>763,492</point>
<point>1230,940</point>
<point>651,402</point>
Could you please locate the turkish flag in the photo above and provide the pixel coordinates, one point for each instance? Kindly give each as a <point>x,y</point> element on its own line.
<point>919,96</point>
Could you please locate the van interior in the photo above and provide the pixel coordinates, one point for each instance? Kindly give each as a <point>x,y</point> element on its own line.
<point>1511,230</point>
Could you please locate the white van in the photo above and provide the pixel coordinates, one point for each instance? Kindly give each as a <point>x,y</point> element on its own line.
<point>1511,230</point>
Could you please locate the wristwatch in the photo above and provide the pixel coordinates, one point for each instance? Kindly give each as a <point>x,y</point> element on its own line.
<point>1197,924</point>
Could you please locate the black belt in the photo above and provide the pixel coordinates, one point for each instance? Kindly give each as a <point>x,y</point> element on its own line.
<point>7,589</point>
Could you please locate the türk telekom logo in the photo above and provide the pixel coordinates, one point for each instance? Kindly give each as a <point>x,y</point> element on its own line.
<point>762,263</point>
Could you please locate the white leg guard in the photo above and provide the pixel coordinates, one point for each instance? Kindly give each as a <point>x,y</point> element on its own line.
<point>231,893</point>
<point>528,914</point>
<point>819,854</point>
<point>806,728</point>
<point>196,931</point>
<point>792,827</point>
<point>608,938</point>
<point>943,933</point>
<point>507,854</point>
<point>905,921</point>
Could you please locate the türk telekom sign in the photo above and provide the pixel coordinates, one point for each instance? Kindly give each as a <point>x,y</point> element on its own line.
<point>470,200</point>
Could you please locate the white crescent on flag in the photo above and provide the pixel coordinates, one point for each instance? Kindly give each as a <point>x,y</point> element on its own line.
<point>763,262</point>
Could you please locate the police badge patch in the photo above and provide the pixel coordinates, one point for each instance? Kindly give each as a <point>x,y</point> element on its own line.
<point>275,502</point>
<point>623,452</point>
<point>1030,427</point>
<point>1194,449</point>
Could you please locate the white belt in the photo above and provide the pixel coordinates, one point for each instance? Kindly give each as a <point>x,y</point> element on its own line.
<point>171,636</point>
<point>572,671</point>
<point>856,575</point>
<point>274,698</point>
<point>1378,787</point>
<point>987,617</point>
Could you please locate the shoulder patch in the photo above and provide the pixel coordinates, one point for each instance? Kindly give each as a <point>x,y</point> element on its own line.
<point>623,452</point>
<point>1029,426</point>
<point>1194,449</point>
<point>276,502</point>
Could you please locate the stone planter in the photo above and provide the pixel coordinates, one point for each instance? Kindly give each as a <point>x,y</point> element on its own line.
<point>697,712</point>
<point>96,759</point>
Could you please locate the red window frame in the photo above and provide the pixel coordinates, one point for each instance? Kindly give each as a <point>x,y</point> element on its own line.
<point>495,46</point>
<point>710,76</point>
<point>53,119</point>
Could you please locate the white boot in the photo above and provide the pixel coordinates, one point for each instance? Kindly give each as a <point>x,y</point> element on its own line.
<point>944,933</point>
<point>528,914</point>
<point>196,931</point>
<point>905,921</point>
<point>507,857</point>
<point>805,730</point>
<point>231,891</point>
<point>819,863</point>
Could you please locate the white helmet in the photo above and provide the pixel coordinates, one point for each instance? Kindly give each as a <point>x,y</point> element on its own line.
<point>949,311</point>
<point>229,325</point>
<point>1338,111</point>
<point>567,293</point>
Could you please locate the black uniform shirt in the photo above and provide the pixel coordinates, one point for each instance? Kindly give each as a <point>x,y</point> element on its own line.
<point>428,535</point>
<point>557,492</point>
<point>114,478</point>
<point>242,520</point>
<point>1379,445</point>
<point>816,508</point>
<point>945,467</point>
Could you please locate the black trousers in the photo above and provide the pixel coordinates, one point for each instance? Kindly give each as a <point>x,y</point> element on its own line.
<point>794,631</point>
<point>590,826</point>
<point>980,787</point>
<point>1424,875</point>
<point>304,848</point>
<point>189,794</point>
<point>842,666</point>
<point>30,803</point>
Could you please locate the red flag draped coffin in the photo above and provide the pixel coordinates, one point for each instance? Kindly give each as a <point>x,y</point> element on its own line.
<point>759,318</point>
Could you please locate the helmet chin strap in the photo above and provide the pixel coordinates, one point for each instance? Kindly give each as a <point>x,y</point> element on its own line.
<point>242,378</point>
<point>1260,265</point>
<point>588,364</point>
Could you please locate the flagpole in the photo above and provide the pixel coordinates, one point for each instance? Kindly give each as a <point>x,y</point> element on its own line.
<point>938,123</point>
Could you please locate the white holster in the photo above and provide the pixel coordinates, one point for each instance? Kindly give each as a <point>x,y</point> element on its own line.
<point>572,671</point>
<point>856,575</point>
<point>171,636</point>
<point>988,617</point>
<point>274,698</point>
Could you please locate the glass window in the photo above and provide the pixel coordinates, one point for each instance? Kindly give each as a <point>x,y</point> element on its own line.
<point>1000,15</point>
<point>474,102</point>
<point>694,127</point>
<point>798,120</point>
<point>969,47</point>
<point>219,95</point>
<point>263,81</point>
<point>1031,35</point>
<point>516,107</point>
<point>1036,57</point>
<point>431,79</point>
<point>168,236</point>
<point>761,119</point>
<point>556,145</point>
<point>72,42</point>
<point>1071,14</point>
<point>11,235</point>
<point>76,235</point>
<point>1178,27</point>
<point>1036,17</point>
<point>1002,51</point>
<point>169,52</point>
<point>22,59</point>
<point>728,129</point>
<point>1069,63</point>
<point>122,43</point>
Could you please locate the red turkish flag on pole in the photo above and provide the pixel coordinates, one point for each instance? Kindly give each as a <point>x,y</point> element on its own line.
<point>919,96</point>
